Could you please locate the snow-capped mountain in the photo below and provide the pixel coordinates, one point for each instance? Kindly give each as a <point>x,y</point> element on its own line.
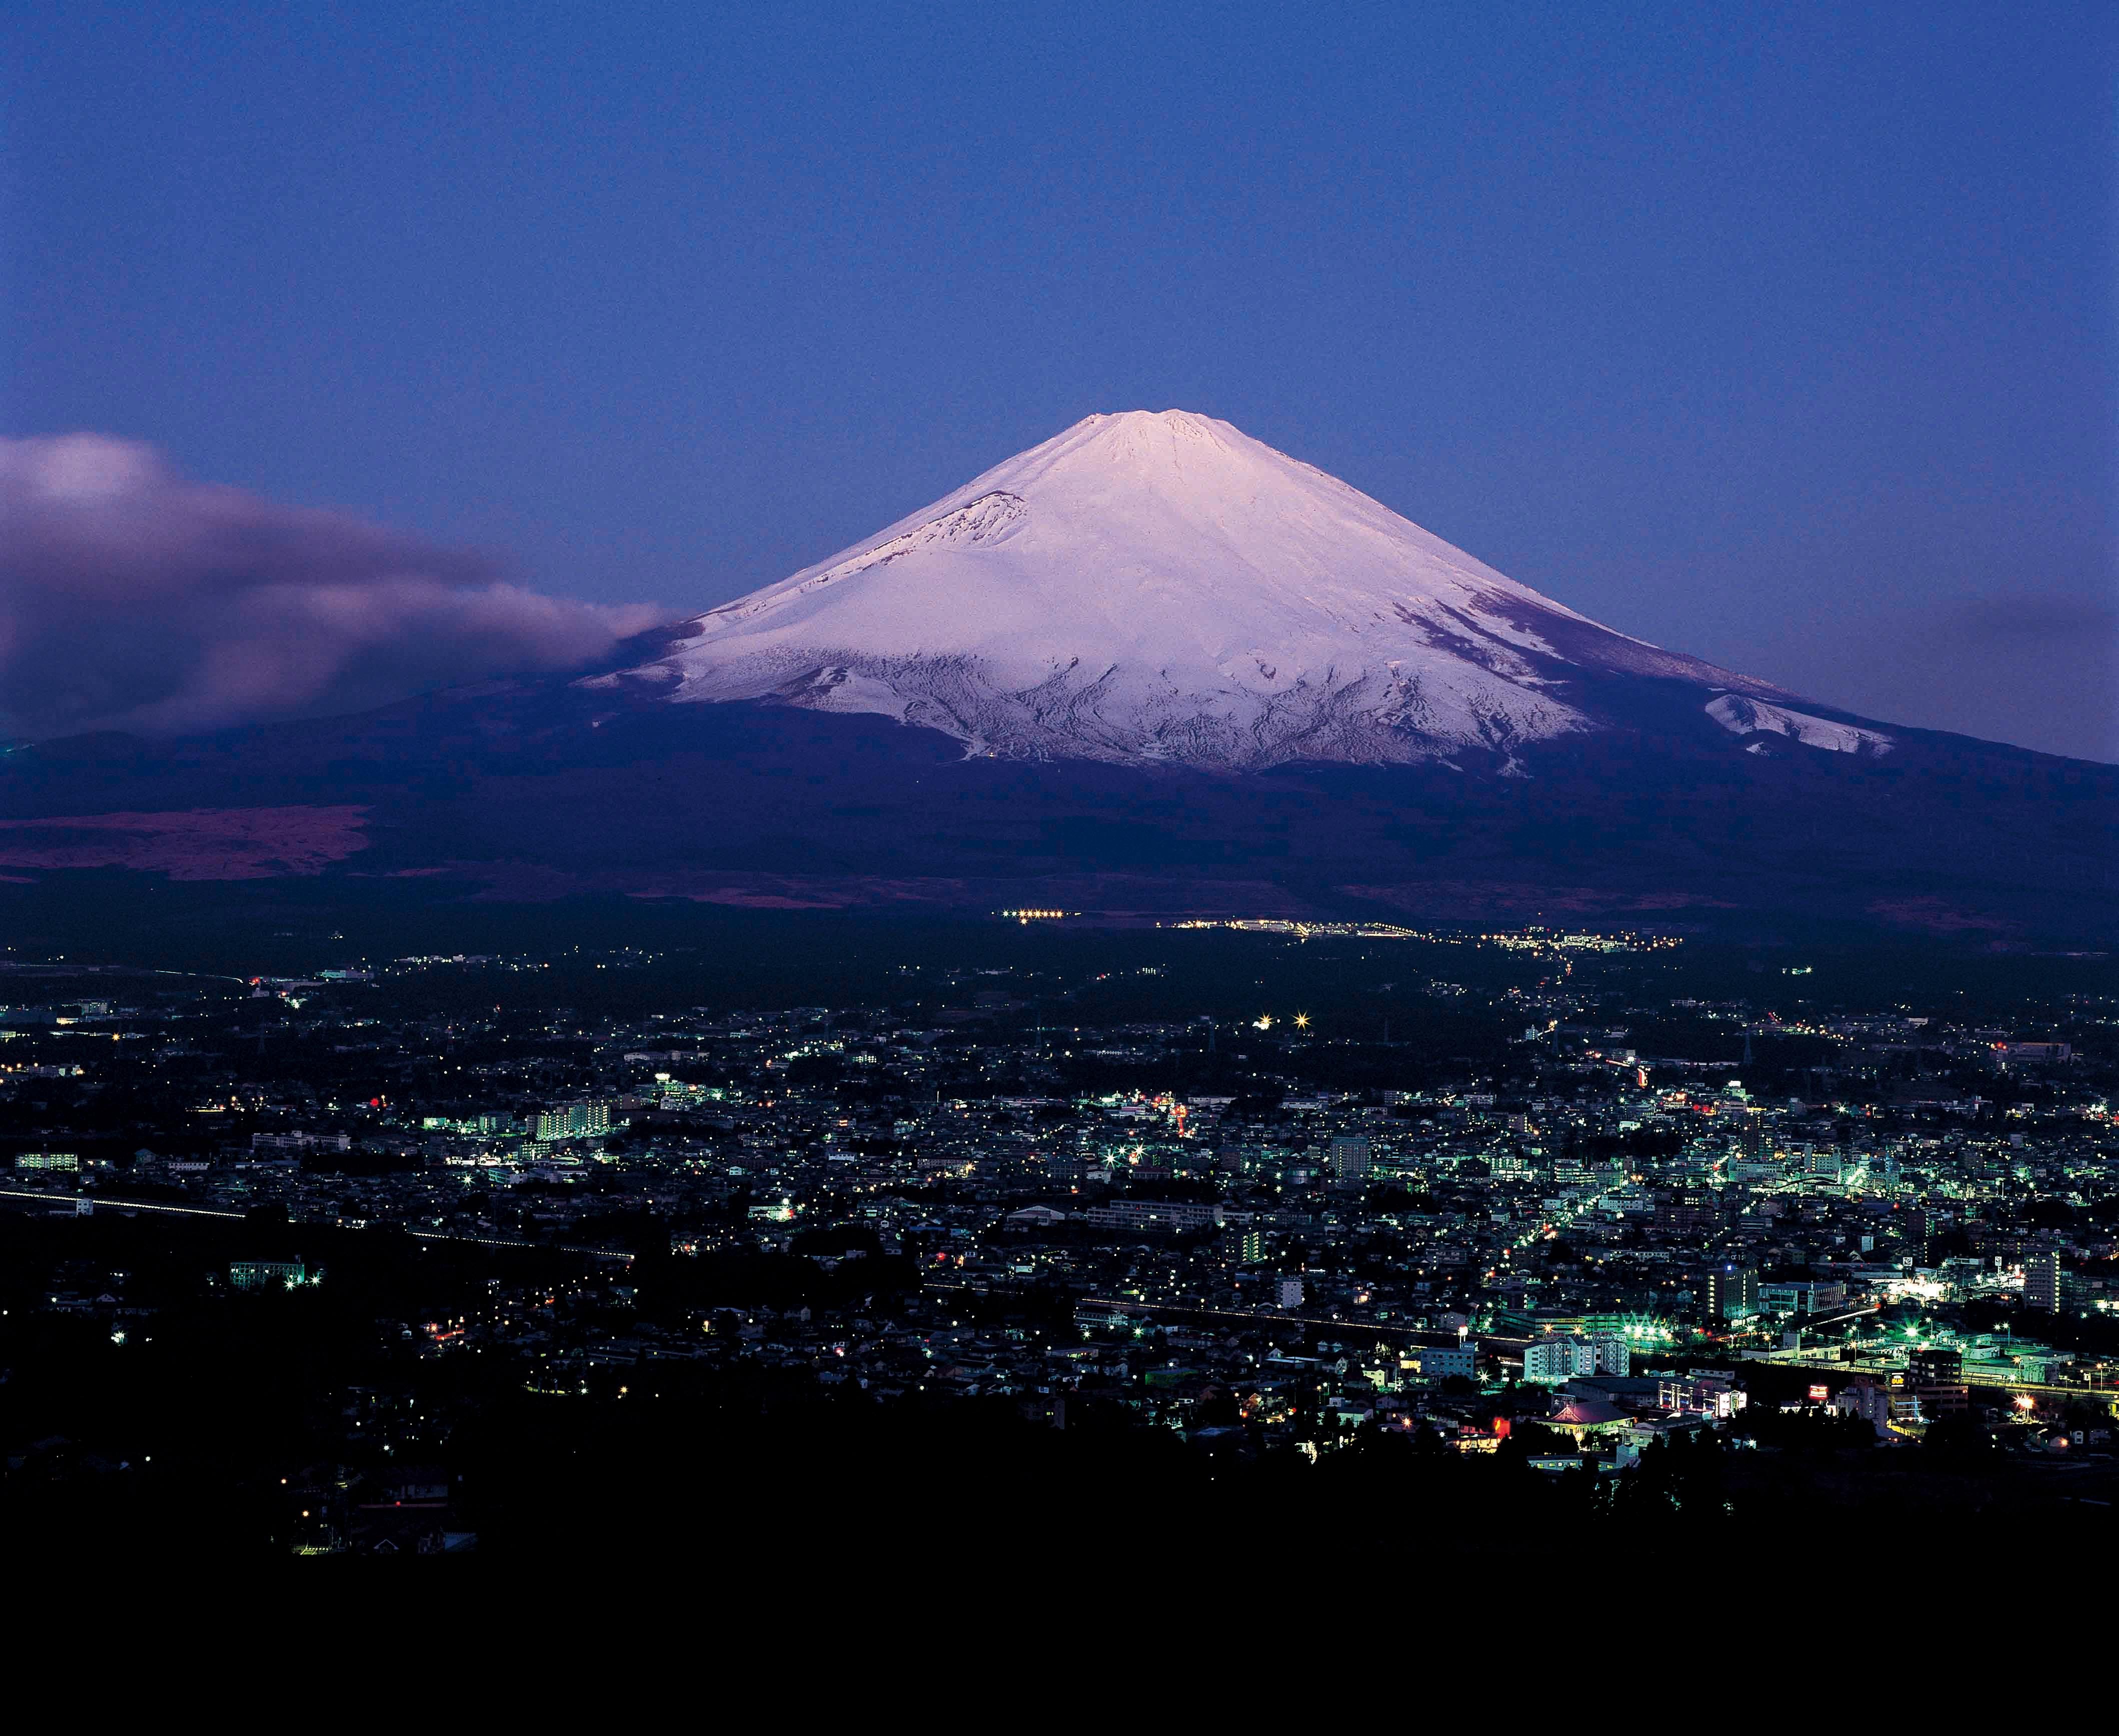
<point>1159,670</point>
<point>1162,587</point>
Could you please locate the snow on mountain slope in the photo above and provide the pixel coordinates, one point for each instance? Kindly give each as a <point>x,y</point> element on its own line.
<point>1161,587</point>
<point>1741,716</point>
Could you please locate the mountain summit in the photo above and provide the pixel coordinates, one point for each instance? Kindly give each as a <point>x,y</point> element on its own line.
<point>1161,587</point>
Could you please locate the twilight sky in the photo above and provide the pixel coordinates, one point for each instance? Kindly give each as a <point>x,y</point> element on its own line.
<point>1784,335</point>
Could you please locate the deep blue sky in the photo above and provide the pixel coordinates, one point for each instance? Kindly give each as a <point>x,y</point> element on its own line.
<point>1785,335</point>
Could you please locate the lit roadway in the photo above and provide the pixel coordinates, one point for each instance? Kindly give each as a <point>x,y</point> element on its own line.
<point>93,1200</point>
<point>1262,1317</point>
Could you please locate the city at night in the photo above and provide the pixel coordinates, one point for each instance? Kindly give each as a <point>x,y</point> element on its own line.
<point>1173,807</point>
<point>1586,1226</point>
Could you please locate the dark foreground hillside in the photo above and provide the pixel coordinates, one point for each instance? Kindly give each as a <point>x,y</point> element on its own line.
<point>198,1421</point>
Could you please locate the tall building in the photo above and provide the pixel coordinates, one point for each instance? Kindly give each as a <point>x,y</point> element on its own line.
<point>1287,1293</point>
<point>1936,1376</point>
<point>1731,1291</point>
<point>2043,1283</point>
<point>1252,1246</point>
<point>1349,1157</point>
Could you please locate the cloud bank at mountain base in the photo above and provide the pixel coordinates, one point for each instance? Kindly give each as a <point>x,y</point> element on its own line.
<point>132,598</point>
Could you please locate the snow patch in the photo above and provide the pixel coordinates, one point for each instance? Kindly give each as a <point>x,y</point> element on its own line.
<point>1742,717</point>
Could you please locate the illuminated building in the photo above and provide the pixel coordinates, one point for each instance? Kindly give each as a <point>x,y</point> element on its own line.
<point>2041,1283</point>
<point>1731,1291</point>
<point>263,1275</point>
<point>1550,1361</point>
<point>68,1160</point>
<point>1713,1396</point>
<point>1587,1418</point>
<point>574,1121</point>
<point>1803,1296</point>
<point>1153,1214</point>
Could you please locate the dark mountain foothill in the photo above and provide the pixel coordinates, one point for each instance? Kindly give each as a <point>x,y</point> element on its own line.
<point>537,791</point>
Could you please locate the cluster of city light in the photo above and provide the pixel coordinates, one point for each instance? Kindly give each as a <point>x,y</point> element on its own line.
<point>1535,939</point>
<point>1304,930</point>
<point>1039,915</point>
<point>1528,940</point>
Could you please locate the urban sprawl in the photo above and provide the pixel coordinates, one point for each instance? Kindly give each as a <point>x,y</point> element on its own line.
<point>1534,1207</point>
